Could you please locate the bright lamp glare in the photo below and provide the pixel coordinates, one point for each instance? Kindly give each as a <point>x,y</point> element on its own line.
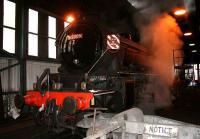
<point>194,51</point>
<point>180,12</point>
<point>191,44</point>
<point>188,34</point>
<point>70,19</point>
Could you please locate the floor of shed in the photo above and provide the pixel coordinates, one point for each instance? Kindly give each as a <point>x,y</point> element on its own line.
<point>182,114</point>
<point>25,128</point>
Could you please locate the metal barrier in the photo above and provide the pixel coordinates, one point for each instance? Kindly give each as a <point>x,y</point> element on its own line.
<point>132,124</point>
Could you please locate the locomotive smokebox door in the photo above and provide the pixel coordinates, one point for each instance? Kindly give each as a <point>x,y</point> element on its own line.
<point>81,48</point>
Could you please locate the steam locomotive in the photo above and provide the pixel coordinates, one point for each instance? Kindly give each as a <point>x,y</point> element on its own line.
<point>95,66</point>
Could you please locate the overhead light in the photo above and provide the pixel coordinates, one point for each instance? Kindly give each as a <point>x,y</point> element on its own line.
<point>187,34</point>
<point>194,51</point>
<point>70,19</point>
<point>191,44</point>
<point>180,12</point>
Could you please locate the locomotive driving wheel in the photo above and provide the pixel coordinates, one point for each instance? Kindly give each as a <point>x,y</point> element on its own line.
<point>38,117</point>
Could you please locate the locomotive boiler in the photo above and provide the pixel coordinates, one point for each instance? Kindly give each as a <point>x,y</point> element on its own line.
<point>95,65</point>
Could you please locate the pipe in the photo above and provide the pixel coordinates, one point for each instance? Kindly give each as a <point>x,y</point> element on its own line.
<point>8,67</point>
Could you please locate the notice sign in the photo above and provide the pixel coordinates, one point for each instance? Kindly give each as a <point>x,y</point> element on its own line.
<point>161,130</point>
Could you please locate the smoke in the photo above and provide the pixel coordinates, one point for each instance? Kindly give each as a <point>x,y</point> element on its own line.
<point>161,36</point>
<point>190,5</point>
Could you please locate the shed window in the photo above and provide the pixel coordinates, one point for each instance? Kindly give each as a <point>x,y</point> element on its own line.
<point>33,33</point>
<point>66,24</point>
<point>33,44</point>
<point>33,21</point>
<point>51,37</point>
<point>9,14</point>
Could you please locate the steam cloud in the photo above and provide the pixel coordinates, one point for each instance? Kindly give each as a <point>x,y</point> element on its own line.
<point>161,36</point>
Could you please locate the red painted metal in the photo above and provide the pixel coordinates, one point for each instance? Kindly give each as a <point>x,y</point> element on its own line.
<point>34,98</point>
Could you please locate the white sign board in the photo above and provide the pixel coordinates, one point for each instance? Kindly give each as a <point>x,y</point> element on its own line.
<point>160,130</point>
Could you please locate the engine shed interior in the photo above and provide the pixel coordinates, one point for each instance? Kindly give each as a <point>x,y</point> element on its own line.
<point>63,59</point>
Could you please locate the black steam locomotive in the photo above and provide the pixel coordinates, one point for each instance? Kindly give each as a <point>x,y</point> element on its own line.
<point>95,66</point>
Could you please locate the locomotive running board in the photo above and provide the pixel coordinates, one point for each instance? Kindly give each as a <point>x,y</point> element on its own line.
<point>101,92</point>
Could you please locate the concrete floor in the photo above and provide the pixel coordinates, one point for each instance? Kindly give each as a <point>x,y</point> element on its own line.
<point>184,114</point>
<point>25,128</point>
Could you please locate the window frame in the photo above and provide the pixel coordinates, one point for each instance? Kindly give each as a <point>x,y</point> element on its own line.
<point>42,35</point>
<point>32,33</point>
<point>8,27</point>
<point>52,38</point>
